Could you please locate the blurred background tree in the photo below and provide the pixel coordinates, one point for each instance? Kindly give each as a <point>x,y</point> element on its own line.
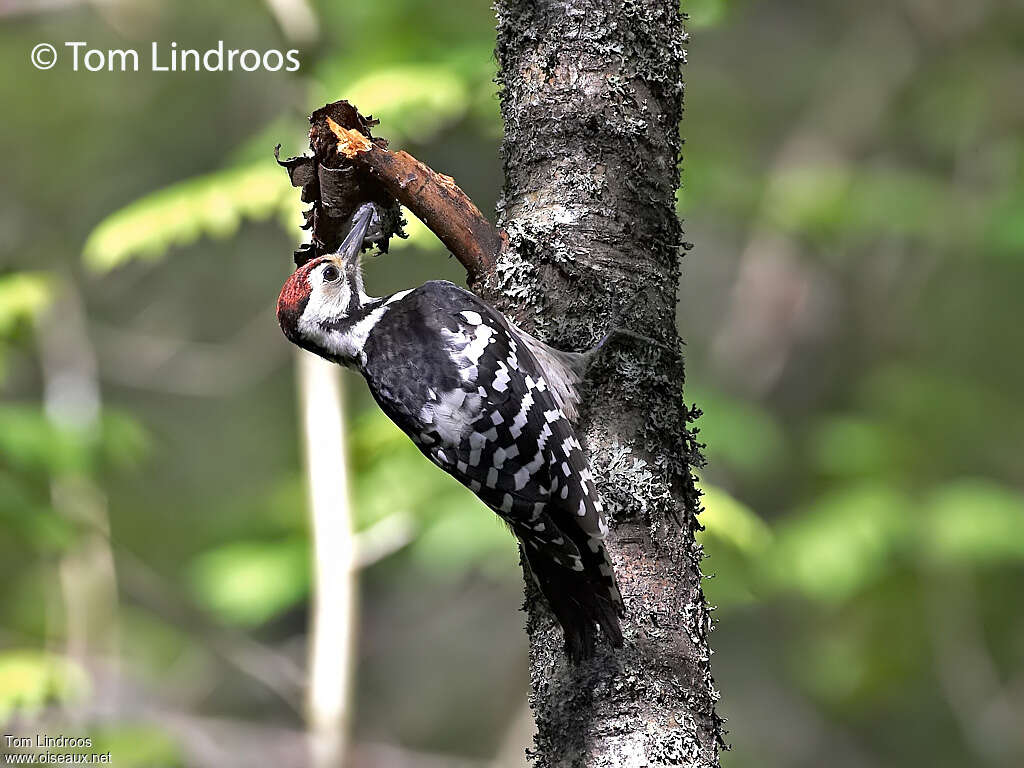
<point>853,182</point>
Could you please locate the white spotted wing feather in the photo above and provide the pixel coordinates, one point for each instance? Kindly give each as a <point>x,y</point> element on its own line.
<point>484,410</point>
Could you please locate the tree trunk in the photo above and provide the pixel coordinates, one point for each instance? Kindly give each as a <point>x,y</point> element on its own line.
<point>591,99</point>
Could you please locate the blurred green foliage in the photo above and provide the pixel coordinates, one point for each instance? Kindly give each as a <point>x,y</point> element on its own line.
<point>250,582</point>
<point>853,318</point>
<point>23,295</point>
<point>33,679</point>
<point>137,746</point>
<point>208,206</point>
<point>32,443</point>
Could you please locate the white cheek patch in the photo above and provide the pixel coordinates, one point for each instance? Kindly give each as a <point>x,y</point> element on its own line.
<point>330,303</point>
<point>348,344</point>
<point>329,300</point>
<point>325,303</point>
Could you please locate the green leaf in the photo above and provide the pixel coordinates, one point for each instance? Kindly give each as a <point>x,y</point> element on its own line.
<point>836,665</point>
<point>827,201</point>
<point>467,535</point>
<point>392,477</point>
<point>23,295</point>
<point>413,102</point>
<point>808,198</point>
<point>734,538</point>
<point>29,441</point>
<point>975,521</point>
<point>732,521</point>
<point>208,206</point>
<point>26,513</point>
<point>740,434</point>
<point>137,746</point>
<point>845,542</point>
<point>31,679</point>
<point>705,13</point>
<point>847,445</point>
<point>731,580</point>
<point>250,582</point>
<point>214,206</point>
<point>124,441</point>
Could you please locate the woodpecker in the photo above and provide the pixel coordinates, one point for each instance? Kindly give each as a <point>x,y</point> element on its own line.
<point>484,401</point>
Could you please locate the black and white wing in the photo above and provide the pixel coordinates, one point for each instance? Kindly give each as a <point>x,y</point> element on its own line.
<point>468,388</point>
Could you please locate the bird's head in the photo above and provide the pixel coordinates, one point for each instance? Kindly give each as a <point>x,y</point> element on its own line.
<point>319,299</point>
<point>316,298</point>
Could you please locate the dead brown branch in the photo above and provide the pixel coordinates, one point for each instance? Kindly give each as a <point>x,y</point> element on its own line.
<point>433,197</point>
<point>350,166</point>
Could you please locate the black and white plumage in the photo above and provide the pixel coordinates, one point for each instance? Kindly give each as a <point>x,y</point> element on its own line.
<point>486,403</point>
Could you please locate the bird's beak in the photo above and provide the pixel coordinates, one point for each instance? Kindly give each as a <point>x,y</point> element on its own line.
<point>352,245</point>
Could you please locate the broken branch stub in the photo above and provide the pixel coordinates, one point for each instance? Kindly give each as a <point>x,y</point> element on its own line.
<point>349,166</point>
<point>335,187</point>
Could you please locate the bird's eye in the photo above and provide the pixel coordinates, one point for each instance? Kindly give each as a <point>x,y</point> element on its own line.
<point>331,273</point>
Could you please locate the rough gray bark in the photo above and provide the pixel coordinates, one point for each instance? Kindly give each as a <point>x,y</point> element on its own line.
<point>591,98</point>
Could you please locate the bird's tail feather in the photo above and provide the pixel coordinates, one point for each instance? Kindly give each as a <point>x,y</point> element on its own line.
<point>581,601</point>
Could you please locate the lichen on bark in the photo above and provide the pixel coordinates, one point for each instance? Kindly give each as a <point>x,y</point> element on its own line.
<point>591,96</point>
